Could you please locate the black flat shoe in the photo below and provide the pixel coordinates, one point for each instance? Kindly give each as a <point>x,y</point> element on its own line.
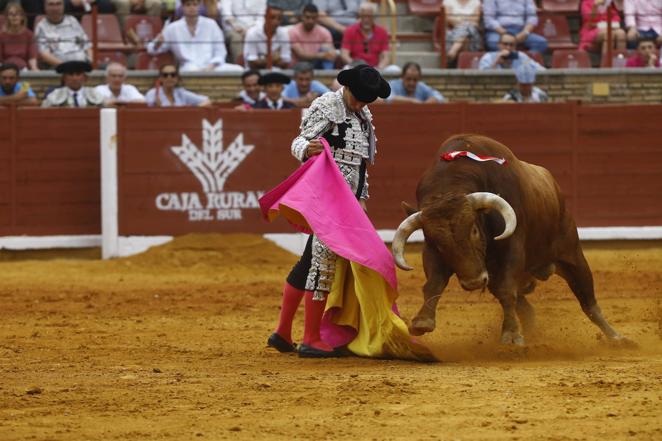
<point>306,351</point>
<point>280,344</point>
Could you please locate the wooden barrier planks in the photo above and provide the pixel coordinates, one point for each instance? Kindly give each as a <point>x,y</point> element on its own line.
<point>55,172</point>
<point>606,159</point>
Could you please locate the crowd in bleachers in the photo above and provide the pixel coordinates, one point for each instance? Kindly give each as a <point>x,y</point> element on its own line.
<point>238,35</point>
<point>542,30</point>
<point>232,34</point>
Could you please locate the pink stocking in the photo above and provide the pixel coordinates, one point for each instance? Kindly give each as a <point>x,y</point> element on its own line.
<point>314,310</point>
<point>288,309</point>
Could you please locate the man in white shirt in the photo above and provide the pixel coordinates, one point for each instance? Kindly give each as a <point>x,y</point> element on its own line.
<point>255,44</point>
<point>238,17</point>
<point>60,37</point>
<point>197,42</point>
<point>115,91</point>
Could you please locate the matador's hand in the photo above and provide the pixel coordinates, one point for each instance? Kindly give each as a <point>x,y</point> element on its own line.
<point>314,148</point>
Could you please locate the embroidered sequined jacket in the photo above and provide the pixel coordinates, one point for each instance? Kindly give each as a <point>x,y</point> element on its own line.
<point>352,140</point>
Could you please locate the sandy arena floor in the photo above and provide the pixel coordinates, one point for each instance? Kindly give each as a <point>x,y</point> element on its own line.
<point>170,345</point>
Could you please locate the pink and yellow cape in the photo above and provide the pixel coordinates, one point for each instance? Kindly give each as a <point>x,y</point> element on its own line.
<point>360,311</point>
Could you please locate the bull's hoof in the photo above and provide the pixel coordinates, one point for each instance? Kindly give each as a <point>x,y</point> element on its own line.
<point>420,326</point>
<point>512,338</point>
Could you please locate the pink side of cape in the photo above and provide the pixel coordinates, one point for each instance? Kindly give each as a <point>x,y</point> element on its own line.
<point>318,191</point>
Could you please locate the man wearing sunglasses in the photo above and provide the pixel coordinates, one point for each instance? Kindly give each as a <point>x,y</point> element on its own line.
<point>507,57</point>
<point>168,93</point>
<point>366,40</point>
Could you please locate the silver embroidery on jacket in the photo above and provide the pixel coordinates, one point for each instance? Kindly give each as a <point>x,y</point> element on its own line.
<point>324,114</point>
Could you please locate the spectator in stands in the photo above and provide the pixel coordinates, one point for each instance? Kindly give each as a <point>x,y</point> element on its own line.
<point>251,92</point>
<point>643,19</point>
<point>197,42</point>
<point>60,37</point>
<point>255,43</point>
<point>80,7</point>
<point>462,22</point>
<point>126,7</point>
<point>517,17</point>
<point>337,15</point>
<point>525,91</point>
<point>312,42</point>
<point>292,10</point>
<point>167,92</point>
<point>593,33</point>
<point>273,83</point>
<point>366,40</point>
<point>238,17</point>
<point>73,92</point>
<point>206,8</point>
<point>17,45</point>
<point>507,57</point>
<point>12,91</point>
<point>645,56</point>
<point>115,91</point>
<point>410,89</point>
<point>304,89</point>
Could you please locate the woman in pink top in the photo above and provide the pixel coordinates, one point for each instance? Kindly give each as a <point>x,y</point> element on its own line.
<point>17,46</point>
<point>594,26</point>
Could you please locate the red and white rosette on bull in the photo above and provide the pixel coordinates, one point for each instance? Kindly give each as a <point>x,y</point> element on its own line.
<point>450,156</point>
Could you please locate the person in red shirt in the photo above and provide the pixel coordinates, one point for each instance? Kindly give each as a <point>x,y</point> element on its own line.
<point>645,56</point>
<point>365,40</point>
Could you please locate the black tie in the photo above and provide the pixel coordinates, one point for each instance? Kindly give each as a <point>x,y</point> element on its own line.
<point>76,99</point>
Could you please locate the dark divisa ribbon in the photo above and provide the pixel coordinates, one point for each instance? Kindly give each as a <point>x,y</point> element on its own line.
<point>452,155</point>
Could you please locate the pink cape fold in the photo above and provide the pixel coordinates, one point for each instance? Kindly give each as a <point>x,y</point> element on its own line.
<point>316,197</point>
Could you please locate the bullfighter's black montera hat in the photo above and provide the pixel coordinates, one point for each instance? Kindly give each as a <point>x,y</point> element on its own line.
<point>365,83</point>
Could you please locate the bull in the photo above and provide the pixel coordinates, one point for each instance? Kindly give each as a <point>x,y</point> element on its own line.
<point>497,226</point>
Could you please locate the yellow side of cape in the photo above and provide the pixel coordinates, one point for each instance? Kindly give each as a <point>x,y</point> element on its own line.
<point>364,301</point>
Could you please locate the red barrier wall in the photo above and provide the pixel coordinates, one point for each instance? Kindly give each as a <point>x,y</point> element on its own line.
<point>49,171</point>
<point>606,160</point>
<point>150,172</point>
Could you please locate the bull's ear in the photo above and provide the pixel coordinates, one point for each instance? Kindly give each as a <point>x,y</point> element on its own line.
<point>408,209</point>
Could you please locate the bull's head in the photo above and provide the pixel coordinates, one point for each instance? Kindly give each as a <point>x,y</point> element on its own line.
<point>453,225</point>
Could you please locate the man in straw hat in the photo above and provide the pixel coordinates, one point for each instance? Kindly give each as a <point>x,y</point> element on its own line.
<point>73,92</point>
<point>343,119</point>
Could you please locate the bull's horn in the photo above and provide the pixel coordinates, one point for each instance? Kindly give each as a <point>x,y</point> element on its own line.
<point>491,201</point>
<point>406,228</point>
